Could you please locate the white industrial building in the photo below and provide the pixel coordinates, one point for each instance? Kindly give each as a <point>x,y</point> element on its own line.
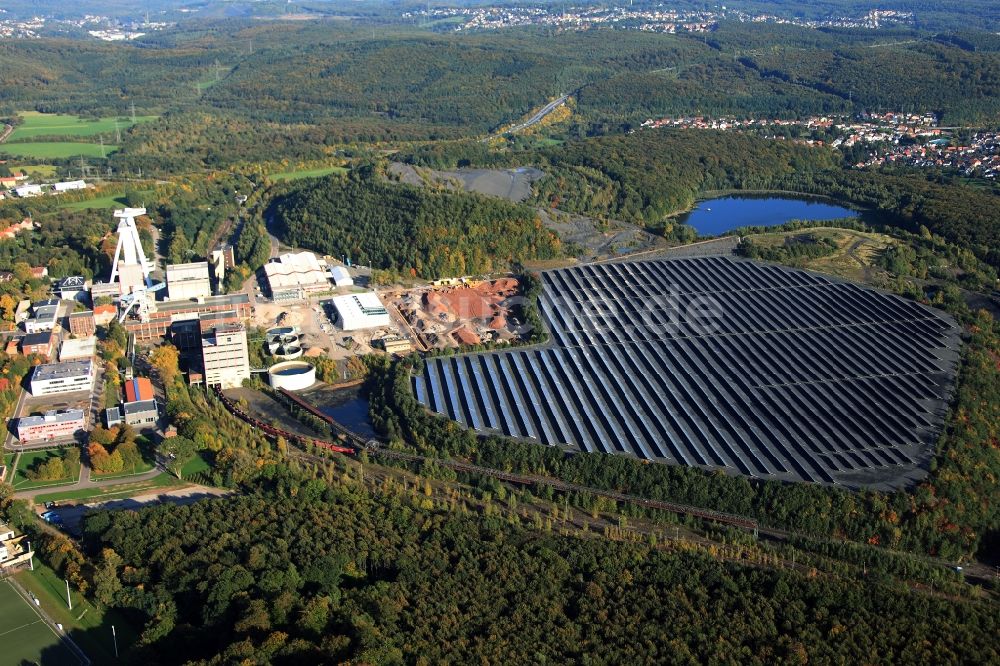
<point>28,190</point>
<point>78,348</point>
<point>341,277</point>
<point>65,377</point>
<point>72,288</point>
<point>294,274</point>
<point>44,317</point>
<point>360,311</point>
<point>187,281</point>
<point>68,185</point>
<point>225,355</point>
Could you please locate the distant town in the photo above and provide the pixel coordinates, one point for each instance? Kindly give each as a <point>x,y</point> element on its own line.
<point>903,139</point>
<point>97,27</point>
<point>659,18</point>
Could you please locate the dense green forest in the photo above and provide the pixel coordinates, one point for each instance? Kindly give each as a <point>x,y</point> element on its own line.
<point>321,573</point>
<point>410,230</point>
<point>233,91</point>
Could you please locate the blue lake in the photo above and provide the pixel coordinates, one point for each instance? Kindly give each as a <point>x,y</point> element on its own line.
<point>718,216</point>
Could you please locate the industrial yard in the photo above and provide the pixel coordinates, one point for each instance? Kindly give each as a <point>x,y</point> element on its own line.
<point>753,369</point>
<point>461,312</point>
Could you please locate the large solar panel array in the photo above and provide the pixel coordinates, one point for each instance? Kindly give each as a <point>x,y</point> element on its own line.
<point>719,363</point>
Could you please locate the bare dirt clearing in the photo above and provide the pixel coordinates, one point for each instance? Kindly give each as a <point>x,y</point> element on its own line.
<point>586,238</point>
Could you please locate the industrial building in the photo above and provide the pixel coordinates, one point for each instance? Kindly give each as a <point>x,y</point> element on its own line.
<point>82,324</point>
<point>45,315</point>
<point>104,314</point>
<point>65,377</point>
<point>142,414</point>
<point>186,333</point>
<point>224,355</point>
<point>69,185</point>
<point>222,258</point>
<point>50,425</point>
<point>38,343</point>
<point>139,408</point>
<point>185,281</point>
<point>138,390</point>
<point>293,276</point>
<point>341,277</point>
<point>396,345</point>
<point>104,290</point>
<point>28,191</point>
<point>360,311</point>
<point>72,288</point>
<point>78,348</point>
<point>170,313</point>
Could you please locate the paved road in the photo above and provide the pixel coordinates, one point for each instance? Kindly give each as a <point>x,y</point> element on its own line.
<point>544,111</point>
<point>88,482</point>
<point>73,515</point>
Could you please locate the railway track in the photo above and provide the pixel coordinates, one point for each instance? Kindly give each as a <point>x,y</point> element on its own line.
<point>353,443</point>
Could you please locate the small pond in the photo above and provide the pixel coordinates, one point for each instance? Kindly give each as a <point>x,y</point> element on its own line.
<point>348,407</point>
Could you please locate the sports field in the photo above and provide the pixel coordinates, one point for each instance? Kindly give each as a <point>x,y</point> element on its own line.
<point>24,636</point>
<point>36,124</point>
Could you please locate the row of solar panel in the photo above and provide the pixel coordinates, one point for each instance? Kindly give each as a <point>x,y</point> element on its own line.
<point>682,412</point>
<point>799,402</point>
<point>732,312</point>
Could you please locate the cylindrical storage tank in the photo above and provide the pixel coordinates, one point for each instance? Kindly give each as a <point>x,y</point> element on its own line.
<point>291,375</point>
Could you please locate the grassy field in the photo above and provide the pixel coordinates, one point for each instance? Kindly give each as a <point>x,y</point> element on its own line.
<point>108,201</point>
<point>88,625</point>
<point>855,255</point>
<point>29,459</point>
<point>308,173</point>
<point>195,465</point>
<point>57,149</point>
<point>116,491</point>
<point>34,124</point>
<point>25,637</point>
<point>45,171</point>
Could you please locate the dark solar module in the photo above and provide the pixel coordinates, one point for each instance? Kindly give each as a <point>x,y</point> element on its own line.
<point>713,362</point>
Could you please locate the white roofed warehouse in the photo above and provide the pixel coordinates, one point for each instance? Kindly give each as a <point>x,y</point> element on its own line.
<point>292,275</point>
<point>341,277</point>
<point>360,311</point>
<point>186,281</point>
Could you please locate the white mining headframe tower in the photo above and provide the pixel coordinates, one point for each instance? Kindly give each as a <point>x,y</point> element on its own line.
<point>132,268</point>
